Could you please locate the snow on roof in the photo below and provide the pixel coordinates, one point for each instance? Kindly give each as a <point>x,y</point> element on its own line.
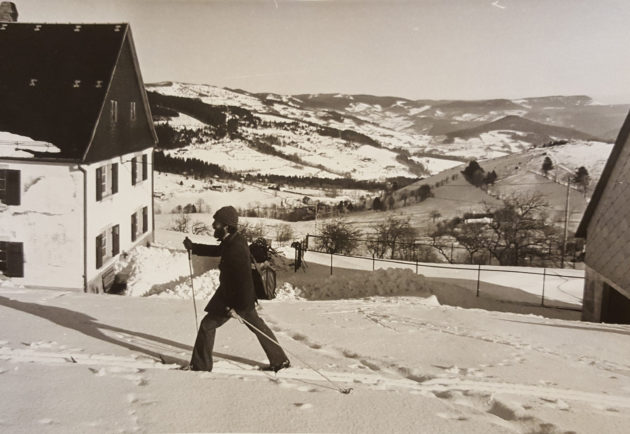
<point>14,145</point>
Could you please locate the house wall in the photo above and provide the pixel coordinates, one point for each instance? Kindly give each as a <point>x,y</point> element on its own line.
<point>593,294</point>
<point>48,221</point>
<point>608,232</point>
<point>116,209</point>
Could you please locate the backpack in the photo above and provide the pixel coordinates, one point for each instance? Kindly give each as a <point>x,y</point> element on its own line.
<point>264,281</point>
<point>263,274</point>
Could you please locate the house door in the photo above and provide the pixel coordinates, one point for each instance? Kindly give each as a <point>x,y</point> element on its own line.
<point>615,306</point>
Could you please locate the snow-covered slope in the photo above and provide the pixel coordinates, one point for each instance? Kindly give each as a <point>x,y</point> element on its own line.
<point>73,362</point>
<point>360,136</point>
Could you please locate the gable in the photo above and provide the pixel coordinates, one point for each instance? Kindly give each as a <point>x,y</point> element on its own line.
<point>132,129</point>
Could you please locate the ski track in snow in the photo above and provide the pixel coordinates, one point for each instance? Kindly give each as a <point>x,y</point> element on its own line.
<point>134,368</point>
<point>383,319</point>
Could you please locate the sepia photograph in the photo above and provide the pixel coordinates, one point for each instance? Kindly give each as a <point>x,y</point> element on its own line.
<point>314,216</point>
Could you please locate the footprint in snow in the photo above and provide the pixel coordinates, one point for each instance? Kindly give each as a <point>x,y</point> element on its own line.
<point>138,380</point>
<point>46,421</point>
<point>302,405</point>
<point>452,416</point>
<point>98,372</point>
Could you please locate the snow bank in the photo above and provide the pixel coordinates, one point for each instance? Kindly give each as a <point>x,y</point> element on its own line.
<point>152,270</point>
<point>378,283</point>
<point>162,272</point>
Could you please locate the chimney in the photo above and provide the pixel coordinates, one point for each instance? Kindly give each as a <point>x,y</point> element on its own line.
<point>8,12</point>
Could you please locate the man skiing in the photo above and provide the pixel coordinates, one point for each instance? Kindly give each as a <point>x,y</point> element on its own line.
<point>235,294</point>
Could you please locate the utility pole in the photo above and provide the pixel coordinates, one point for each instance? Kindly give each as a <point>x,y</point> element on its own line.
<point>566,222</point>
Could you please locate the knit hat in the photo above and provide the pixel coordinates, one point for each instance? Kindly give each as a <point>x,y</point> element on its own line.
<point>227,215</point>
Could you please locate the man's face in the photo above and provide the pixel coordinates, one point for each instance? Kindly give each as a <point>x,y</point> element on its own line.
<point>219,230</point>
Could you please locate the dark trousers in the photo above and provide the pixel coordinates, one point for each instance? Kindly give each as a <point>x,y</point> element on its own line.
<point>202,353</point>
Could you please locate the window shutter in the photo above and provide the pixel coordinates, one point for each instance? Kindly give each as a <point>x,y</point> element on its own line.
<point>134,225</point>
<point>99,251</point>
<point>145,219</point>
<point>134,171</point>
<point>99,184</point>
<point>13,187</point>
<point>145,167</point>
<point>115,240</point>
<point>15,260</point>
<point>114,178</point>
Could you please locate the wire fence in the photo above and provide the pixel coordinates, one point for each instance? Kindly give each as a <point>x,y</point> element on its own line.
<point>553,287</point>
<point>432,251</point>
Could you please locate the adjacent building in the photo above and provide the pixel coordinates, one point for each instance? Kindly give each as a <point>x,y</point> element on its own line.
<point>76,152</point>
<point>606,227</point>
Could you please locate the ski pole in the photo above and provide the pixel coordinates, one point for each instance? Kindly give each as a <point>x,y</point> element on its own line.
<point>339,389</point>
<point>192,287</point>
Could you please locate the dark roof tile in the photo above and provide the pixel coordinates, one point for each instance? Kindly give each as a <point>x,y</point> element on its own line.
<point>53,78</point>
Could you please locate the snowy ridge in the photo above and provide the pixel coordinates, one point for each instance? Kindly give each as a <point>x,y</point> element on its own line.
<point>396,127</point>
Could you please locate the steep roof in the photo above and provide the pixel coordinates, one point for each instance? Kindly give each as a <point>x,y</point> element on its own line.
<point>54,78</point>
<point>622,138</point>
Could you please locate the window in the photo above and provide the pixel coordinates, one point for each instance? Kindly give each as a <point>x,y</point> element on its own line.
<point>134,226</point>
<point>10,187</point>
<point>134,171</point>
<point>145,166</point>
<point>114,111</point>
<point>139,223</point>
<point>11,259</point>
<point>106,180</point>
<point>139,169</point>
<point>107,245</point>
<point>132,110</point>
<point>145,220</point>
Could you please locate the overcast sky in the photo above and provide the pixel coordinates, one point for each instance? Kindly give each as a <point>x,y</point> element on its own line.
<point>465,49</point>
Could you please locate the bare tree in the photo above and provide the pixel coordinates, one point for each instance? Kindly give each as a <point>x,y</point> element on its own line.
<point>284,233</point>
<point>392,234</point>
<point>470,236</point>
<point>517,230</point>
<point>338,236</point>
<point>435,214</point>
<point>200,228</point>
<point>181,223</point>
<point>404,196</point>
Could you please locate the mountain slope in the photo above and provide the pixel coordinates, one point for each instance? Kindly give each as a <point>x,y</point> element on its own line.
<point>360,136</point>
<point>535,132</point>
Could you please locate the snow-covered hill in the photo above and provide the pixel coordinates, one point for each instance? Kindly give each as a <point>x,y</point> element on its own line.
<point>360,136</point>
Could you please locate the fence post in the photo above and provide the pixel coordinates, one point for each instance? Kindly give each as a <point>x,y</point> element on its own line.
<point>373,262</point>
<point>542,302</point>
<point>417,264</point>
<point>478,277</point>
<point>331,263</point>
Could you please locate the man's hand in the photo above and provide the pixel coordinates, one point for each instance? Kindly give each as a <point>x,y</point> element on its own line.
<point>188,244</point>
<point>232,313</point>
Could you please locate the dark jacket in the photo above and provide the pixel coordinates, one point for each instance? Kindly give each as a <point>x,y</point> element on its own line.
<point>236,287</point>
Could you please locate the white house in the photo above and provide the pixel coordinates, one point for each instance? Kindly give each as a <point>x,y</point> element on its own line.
<point>76,148</point>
